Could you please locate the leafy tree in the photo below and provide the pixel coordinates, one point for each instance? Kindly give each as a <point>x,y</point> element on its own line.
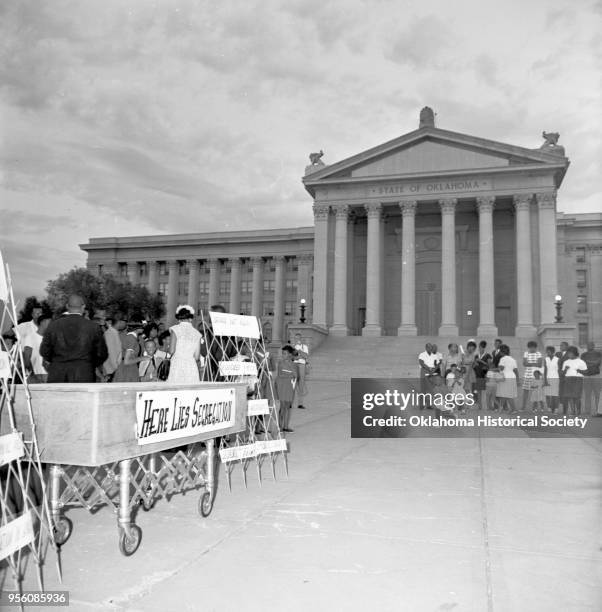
<point>104,292</point>
<point>26,313</point>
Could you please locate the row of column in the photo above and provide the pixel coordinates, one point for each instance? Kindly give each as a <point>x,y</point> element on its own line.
<point>303,285</point>
<point>374,274</point>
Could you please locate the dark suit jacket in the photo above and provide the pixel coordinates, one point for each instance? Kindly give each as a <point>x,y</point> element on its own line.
<point>73,338</point>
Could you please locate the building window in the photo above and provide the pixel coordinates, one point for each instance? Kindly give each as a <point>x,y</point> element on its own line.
<point>289,308</point>
<point>581,278</point>
<point>583,331</point>
<point>292,264</point>
<point>246,308</point>
<point>162,289</point>
<point>582,303</point>
<point>224,286</point>
<point>246,286</point>
<point>269,286</point>
<point>580,254</point>
<point>142,269</point>
<point>184,267</point>
<point>183,288</point>
<point>123,270</point>
<point>268,309</point>
<point>272,265</point>
<point>291,285</point>
<point>100,269</point>
<point>202,306</point>
<point>162,268</point>
<point>204,288</point>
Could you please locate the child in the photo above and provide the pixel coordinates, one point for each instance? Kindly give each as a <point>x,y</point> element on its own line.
<point>286,378</point>
<point>536,394</point>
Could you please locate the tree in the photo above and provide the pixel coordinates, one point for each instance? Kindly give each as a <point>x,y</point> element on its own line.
<point>104,292</point>
<point>31,302</point>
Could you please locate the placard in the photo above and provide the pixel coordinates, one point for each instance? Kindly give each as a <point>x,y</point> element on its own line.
<point>241,326</point>
<point>4,365</point>
<point>246,451</point>
<point>237,368</point>
<point>258,407</point>
<point>173,414</point>
<point>3,283</point>
<point>15,535</point>
<point>11,447</point>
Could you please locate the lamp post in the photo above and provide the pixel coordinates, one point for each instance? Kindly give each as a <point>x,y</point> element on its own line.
<point>302,307</point>
<point>558,304</point>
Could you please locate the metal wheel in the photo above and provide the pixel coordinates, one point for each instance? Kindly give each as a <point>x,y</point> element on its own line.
<point>148,505</point>
<point>62,530</point>
<point>205,504</point>
<point>129,545</point>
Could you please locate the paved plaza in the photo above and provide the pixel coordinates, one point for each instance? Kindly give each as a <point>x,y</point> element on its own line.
<point>415,524</point>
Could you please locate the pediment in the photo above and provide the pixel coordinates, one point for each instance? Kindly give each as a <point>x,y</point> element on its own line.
<point>430,151</point>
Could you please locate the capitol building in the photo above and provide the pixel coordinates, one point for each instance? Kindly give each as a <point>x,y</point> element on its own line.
<point>434,233</point>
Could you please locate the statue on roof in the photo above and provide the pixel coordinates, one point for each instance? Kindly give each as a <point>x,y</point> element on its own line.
<point>427,117</point>
<point>314,158</point>
<point>551,143</point>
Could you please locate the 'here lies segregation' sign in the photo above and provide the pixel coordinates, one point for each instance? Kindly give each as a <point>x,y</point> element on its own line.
<point>172,414</point>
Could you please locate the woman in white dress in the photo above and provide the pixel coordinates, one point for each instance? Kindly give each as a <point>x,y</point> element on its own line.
<point>185,348</point>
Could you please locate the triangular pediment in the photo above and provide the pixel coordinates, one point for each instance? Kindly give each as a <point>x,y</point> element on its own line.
<point>432,151</point>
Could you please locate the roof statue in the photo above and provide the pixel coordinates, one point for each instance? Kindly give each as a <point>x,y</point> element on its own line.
<point>551,143</point>
<point>427,117</point>
<point>314,158</point>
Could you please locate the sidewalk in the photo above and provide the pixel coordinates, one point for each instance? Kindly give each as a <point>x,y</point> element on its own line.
<point>415,524</point>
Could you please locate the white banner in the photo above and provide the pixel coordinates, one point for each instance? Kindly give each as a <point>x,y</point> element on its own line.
<point>11,447</point>
<point>3,283</point>
<point>241,326</point>
<point>15,535</point>
<point>4,365</point>
<point>237,368</point>
<point>261,447</point>
<point>257,407</point>
<point>173,414</point>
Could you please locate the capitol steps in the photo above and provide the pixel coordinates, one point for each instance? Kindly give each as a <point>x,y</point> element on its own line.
<point>342,358</point>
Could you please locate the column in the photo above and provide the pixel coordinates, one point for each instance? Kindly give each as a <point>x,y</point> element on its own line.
<point>448,267</point>
<point>235,285</point>
<point>257,289</point>
<point>408,269</point>
<point>548,264</point>
<point>214,265</point>
<point>339,326</point>
<point>278,323</point>
<point>193,283</point>
<point>487,327</point>
<point>153,277</point>
<point>373,325</point>
<point>303,284</point>
<point>134,273</point>
<point>320,306</point>
<point>172,290</point>
<point>524,276</point>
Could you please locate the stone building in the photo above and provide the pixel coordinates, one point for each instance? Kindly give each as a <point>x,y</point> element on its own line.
<point>432,233</point>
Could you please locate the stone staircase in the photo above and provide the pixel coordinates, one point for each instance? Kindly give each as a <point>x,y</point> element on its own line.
<point>342,358</point>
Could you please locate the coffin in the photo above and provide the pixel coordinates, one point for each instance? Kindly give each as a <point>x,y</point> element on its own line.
<point>93,424</point>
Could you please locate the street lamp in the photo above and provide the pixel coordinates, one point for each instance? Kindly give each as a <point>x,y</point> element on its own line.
<point>558,304</point>
<point>302,307</point>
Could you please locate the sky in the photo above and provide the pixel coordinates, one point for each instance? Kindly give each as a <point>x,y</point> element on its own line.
<point>141,117</point>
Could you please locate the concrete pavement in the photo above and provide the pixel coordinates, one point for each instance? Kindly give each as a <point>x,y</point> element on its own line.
<point>416,524</point>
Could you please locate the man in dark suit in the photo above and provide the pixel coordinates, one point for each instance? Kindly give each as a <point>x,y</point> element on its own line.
<point>73,346</point>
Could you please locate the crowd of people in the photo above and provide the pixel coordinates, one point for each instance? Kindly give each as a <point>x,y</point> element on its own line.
<point>555,381</point>
<point>75,348</point>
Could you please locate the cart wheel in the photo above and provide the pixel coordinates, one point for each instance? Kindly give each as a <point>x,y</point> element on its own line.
<point>205,504</point>
<point>129,545</point>
<point>62,530</point>
<point>148,505</point>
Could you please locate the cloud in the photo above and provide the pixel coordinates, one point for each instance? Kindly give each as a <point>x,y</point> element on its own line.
<point>422,43</point>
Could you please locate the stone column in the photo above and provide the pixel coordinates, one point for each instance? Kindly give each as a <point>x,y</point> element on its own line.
<point>173,268</point>
<point>548,256</point>
<point>487,326</point>
<point>320,304</point>
<point>524,276</point>
<point>235,276</point>
<point>339,326</point>
<point>448,267</point>
<point>278,323</point>
<point>153,277</point>
<point>303,284</point>
<point>134,273</point>
<point>193,283</point>
<point>408,269</point>
<point>257,288</point>
<point>214,265</point>
<point>373,325</point>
